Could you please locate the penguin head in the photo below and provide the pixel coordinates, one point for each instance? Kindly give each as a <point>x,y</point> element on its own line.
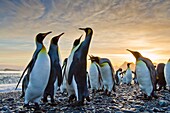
<point>40,37</point>
<point>65,60</point>
<point>94,58</point>
<point>88,30</point>
<point>135,53</point>
<point>128,64</point>
<point>77,41</point>
<point>56,38</point>
<point>120,69</point>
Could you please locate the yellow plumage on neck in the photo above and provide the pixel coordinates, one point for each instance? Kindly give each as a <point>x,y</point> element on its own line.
<point>103,64</point>
<point>43,50</point>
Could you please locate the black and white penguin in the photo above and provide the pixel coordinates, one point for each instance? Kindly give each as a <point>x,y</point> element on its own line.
<point>63,87</point>
<point>38,67</point>
<point>95,75</point>
<point>118,76</point>
<point>146,74</point>
<point>78,68</point>
<point>70,87</point>
<point>128,75</point>
<point>108,76</point>
<point>167,74</point>
<point>55,72</point>
<point>160,76</point>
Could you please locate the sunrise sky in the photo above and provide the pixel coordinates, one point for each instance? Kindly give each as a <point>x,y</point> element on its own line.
<point>142,25</point>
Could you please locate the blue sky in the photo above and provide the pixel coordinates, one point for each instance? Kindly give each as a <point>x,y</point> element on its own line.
<point>142,25</point>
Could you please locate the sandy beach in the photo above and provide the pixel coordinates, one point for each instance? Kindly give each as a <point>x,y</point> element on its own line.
<point>127,99</point>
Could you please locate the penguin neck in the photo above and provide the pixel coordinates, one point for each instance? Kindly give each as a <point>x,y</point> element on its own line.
<point>54,48</point>
<point>85,44</point>
<point>39,45</point>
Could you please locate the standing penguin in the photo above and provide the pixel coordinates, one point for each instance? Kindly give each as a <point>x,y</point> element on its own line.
<point>39,67</point>
<point>108,76</point>
<point>146,74</point>
<point>55,72</point>
<point>78,69</point>
<point>128,75</point>
<point>167,74</point>
<point>70,87</point>
<point>161,77</point>
<point>118,76</point>
<point>95,75</point>
<point>63,87</point>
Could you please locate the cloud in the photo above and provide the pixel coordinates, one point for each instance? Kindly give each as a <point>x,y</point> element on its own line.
<point>117,24</point>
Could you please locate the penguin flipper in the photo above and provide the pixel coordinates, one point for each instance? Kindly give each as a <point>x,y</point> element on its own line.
<point>152,71</point>
<point>28,66</point>
<point>58,68</point>
<point>72,70</point>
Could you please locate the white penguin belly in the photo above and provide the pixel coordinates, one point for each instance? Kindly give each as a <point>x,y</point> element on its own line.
<point>167,73</point>
<point>143,77</point>
<point>128,76</point>
<point>119,77</point>
<point>124,79</point>
<point>107,77</point>
<point>63,87</point>
<point>94,76</point>
<point>39,77</point>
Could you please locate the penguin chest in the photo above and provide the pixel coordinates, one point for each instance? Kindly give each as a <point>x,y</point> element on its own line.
<point>128,76</point>
<point>119,76</point>
<point>106,74</point>
<point>94,75</point>
<point>41,71</point>
<point>167,73</point>
<point>143,77</point>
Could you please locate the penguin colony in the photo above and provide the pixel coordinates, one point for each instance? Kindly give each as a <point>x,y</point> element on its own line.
<point>44,75</point>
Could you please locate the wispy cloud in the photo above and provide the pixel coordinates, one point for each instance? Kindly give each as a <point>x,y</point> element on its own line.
<point>117,24</point>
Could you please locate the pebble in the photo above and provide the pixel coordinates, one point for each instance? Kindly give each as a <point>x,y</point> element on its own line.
<point>163,103</point>
<point>121,101</point>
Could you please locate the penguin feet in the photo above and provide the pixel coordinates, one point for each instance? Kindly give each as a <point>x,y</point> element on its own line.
<point>71,98</point>
<point>37,108</point>
<point>26,106</point>
<point>45,100</point>
<point>88,99</point>
<point>77,103</point>
<point>109,93</point>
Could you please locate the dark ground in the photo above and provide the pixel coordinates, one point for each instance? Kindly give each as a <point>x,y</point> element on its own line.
<point>127,99</point>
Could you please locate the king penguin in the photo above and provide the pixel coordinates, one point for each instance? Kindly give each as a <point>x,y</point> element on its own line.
<point>108,76</point>
<point>128,74</point>
<point>70,87</point>
<point>78,69</point>
<point>118,76</point>
<point>55,72</point>
<point>161,76</point>
<point>167,74</point>
<point>146,74</point>
<point>38,67</point>
<point>63,87</point>
<point>95,75</point>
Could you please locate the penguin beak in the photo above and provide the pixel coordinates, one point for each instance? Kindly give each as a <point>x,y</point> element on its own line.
<point>130,51</point>
<point>81,28</point>
<point>60,35</point>
<point>45,34</point>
